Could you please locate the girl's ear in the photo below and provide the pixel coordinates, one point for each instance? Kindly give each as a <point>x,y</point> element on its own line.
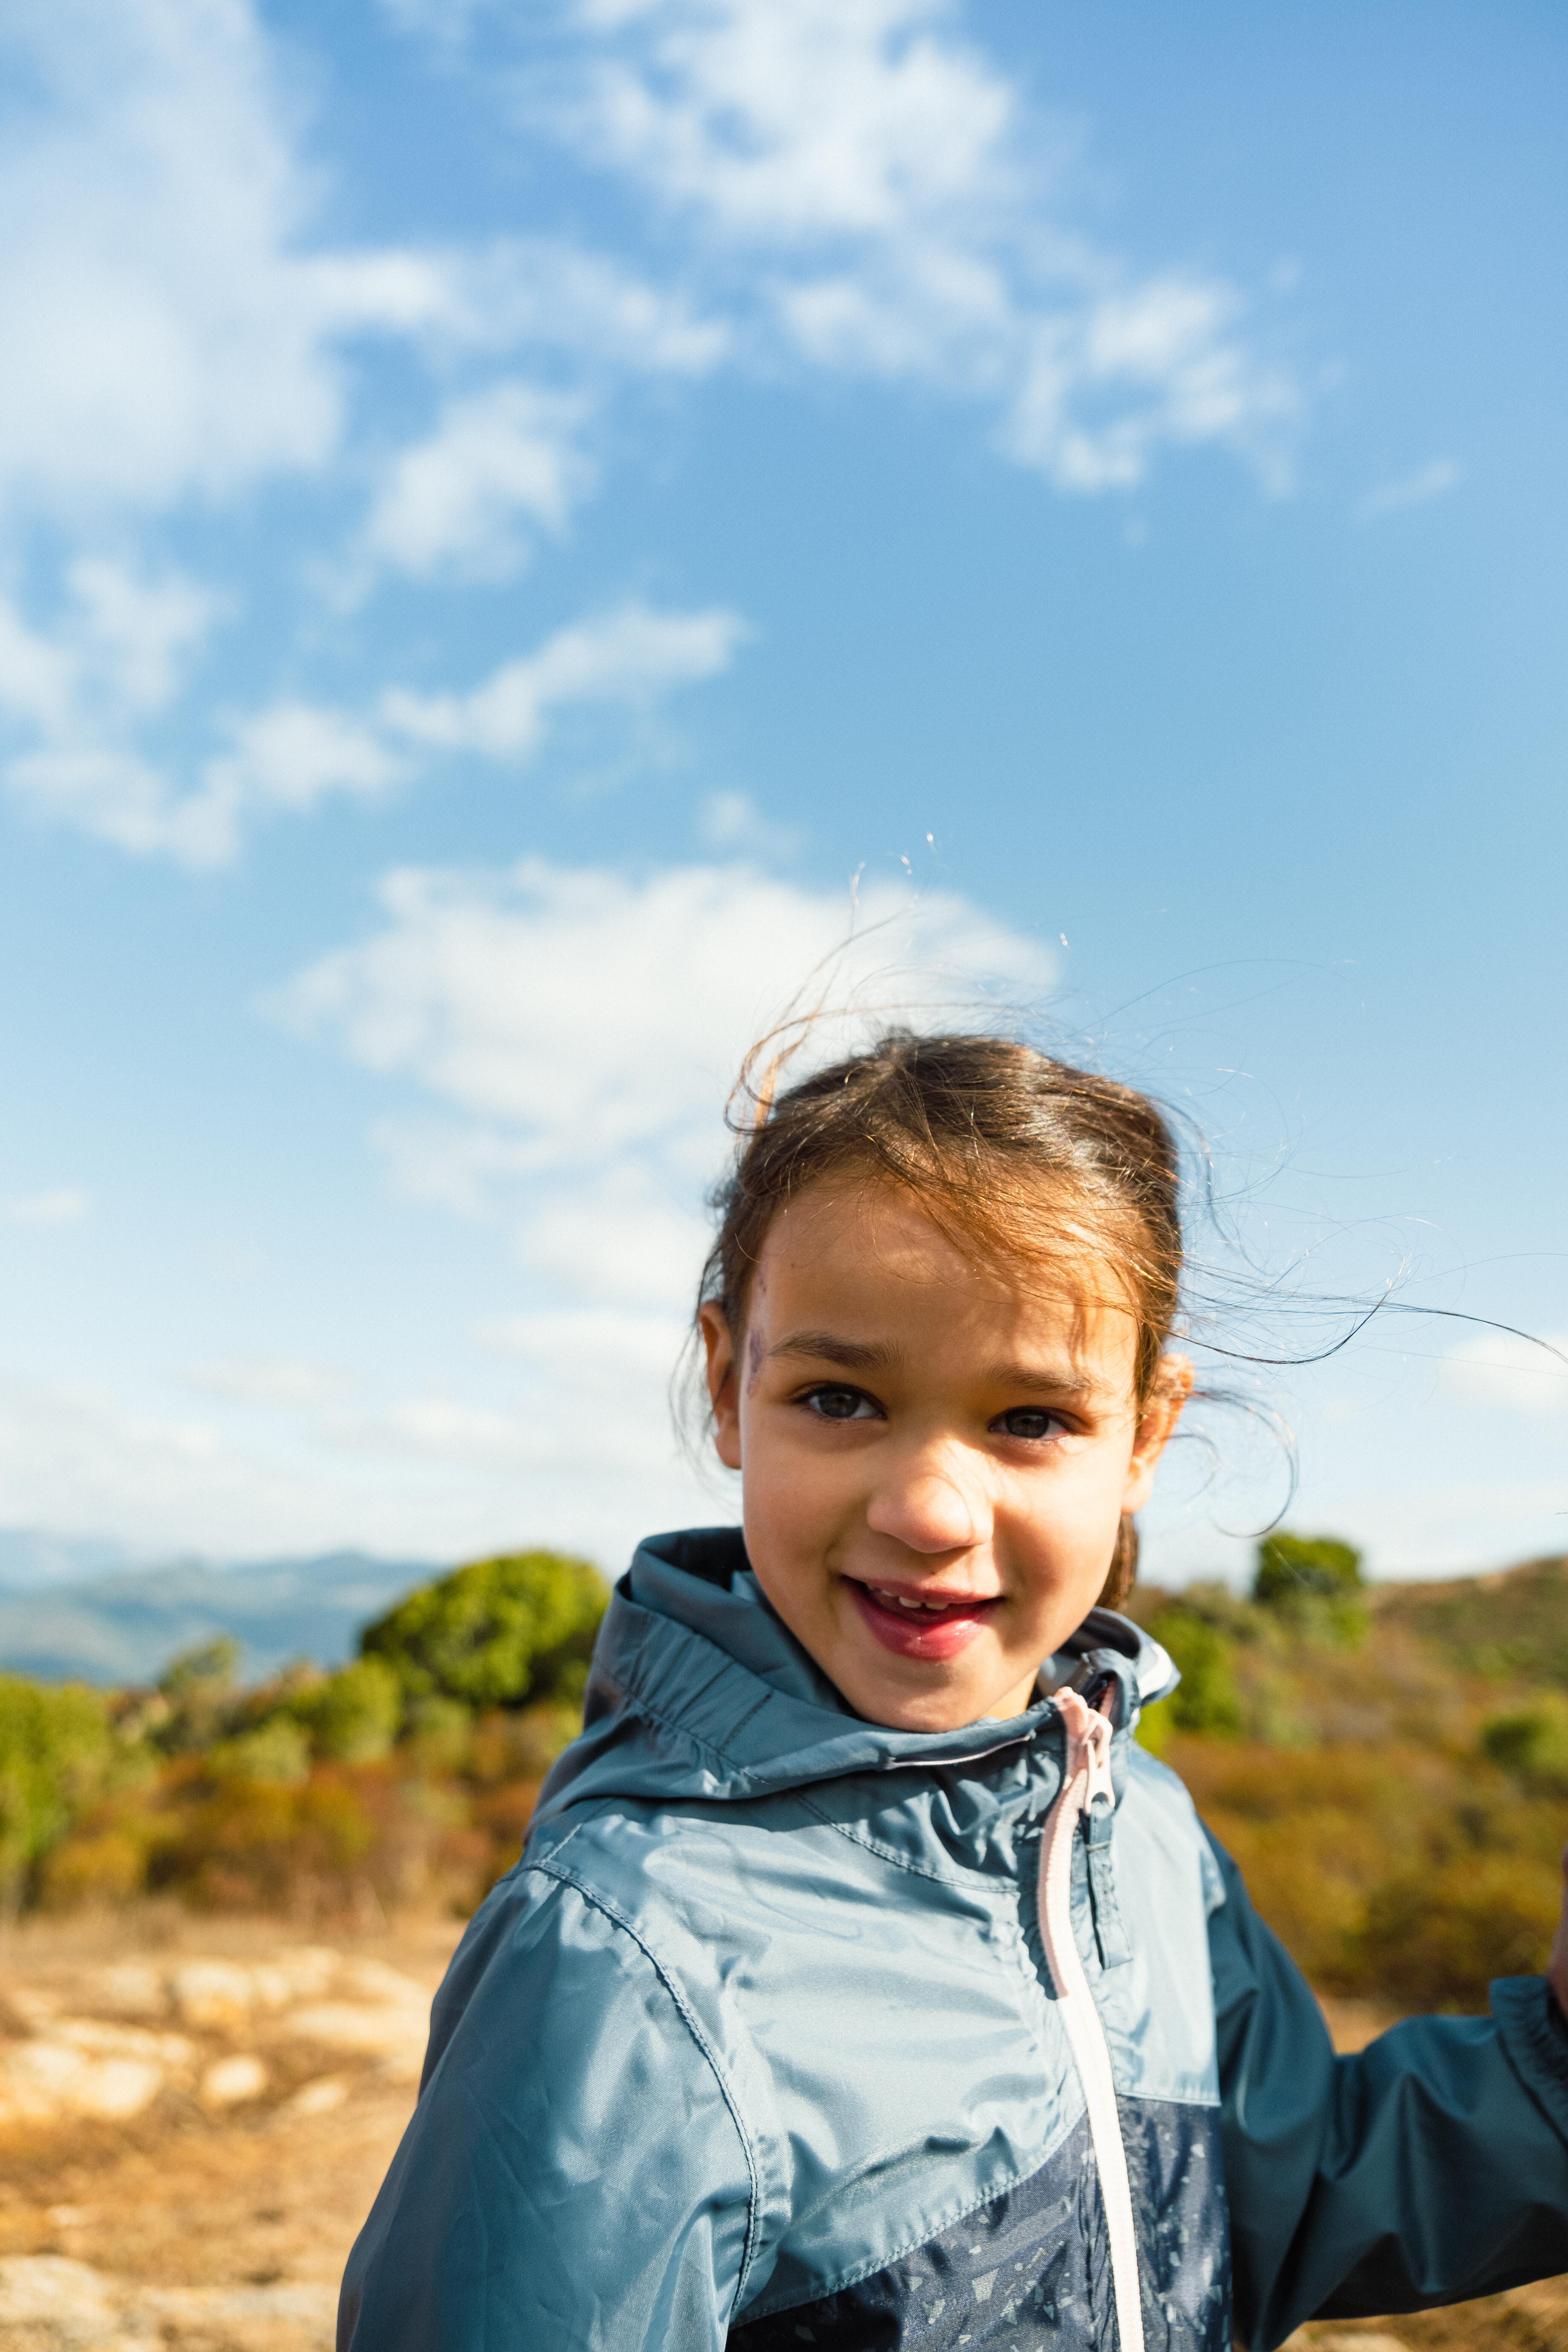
<point>723,1389</point>
<point>1162,1410</point>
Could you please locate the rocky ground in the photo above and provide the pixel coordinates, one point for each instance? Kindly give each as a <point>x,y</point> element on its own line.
<point>195,2115</point>
<point>194,2119</point>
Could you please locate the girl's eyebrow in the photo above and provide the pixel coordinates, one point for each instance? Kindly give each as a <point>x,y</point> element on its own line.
<point>879,1356</point>
<point>855,1355</point>
<point>1044,1381</point>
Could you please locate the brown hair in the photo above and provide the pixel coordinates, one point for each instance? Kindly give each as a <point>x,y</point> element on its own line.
<point>984,1131</point>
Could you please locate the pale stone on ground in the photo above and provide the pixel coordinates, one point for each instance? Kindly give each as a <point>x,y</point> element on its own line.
<point>49,2304</point>
<point>230,2080</point>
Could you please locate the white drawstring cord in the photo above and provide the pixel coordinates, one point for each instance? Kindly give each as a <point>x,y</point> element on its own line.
<point>1086,1778</point>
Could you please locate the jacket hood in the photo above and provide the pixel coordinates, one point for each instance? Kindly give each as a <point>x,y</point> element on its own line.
<point>698,1691</point>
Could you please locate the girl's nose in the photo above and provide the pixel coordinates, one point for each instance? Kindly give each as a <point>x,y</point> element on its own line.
<point>932,1507</point>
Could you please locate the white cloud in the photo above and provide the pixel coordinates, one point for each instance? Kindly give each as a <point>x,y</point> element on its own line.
<point>175,326</point>
<point>1506,1373</point>
<point>630,656</point>
<point>428,1474</point>
<point>582,1011</point>
<point>565,1041</point>
<point>280,1383</point>
<point>286,757</point>
<point>76,690</point>
<point>65,1204</point>
<point>603,1342</point>
<point>118,652</point>
<point>291,755</point>
<point>455,502</point>
<point>879,181</point>
<point>1416,489</point>
<point>73,696</point>
<point>170,338</point>
<point>555,295</point>
<point>826,117</point>
<point>446,1163</point>
<point>622,1238</point>
<point>730,822</point>
<point>1163,355</point>
<point>849,185</point>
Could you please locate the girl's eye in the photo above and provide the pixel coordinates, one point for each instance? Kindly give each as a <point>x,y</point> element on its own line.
<point>840,1404</point>
<point>1028,1420</point>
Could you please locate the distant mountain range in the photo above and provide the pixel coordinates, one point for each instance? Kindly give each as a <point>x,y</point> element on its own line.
<point>30,1557</point>
<point>61,1622</point>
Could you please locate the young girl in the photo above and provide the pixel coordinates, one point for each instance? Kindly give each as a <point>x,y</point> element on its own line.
<point>862,1984</point>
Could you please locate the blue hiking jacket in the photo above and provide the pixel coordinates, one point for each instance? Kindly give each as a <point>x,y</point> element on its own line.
<point>758,2047</point>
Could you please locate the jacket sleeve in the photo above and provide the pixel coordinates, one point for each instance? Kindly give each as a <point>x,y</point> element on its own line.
<point>573,2178</point>
<point>1426,2168</point>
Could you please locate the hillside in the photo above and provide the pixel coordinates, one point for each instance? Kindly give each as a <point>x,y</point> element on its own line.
<point>1389,1770</point>
<point>124,1627</point>
<point>1388,1764</point>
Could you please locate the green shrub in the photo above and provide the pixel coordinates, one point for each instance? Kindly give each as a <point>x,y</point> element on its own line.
<point>1531,1743</point>
<point>499,1632</point>
<point>277,1751</point>
<point>352,1716</point>
<point>437,1738</point>
<point>1291,1568</point>
<point>1313,1583</point>
<point>57,1751</point>
<point>199,1690</point>
<point>1206,1700</point>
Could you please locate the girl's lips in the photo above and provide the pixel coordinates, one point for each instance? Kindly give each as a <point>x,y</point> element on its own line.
<point>924,1632</point>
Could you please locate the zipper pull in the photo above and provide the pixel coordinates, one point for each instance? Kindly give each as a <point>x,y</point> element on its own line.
<point>1089,1751</point>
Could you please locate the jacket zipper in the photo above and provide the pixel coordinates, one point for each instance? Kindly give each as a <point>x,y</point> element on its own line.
<point>1087,1780</point>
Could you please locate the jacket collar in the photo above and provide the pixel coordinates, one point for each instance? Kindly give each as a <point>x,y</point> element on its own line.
<point>734,1707</point>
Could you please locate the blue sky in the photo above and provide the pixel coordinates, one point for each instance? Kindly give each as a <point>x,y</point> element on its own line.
<point>506,512</point>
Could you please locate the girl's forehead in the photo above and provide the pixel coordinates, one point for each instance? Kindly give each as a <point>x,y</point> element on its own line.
<point>867,1263</point>
<point>885,1231</point>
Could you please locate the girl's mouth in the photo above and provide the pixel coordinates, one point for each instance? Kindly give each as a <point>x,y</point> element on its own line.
<point>917,1627</point>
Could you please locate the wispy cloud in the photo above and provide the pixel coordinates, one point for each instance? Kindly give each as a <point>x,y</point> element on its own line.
<point>581,1012</point>
<point>279,1383</point>
<point>79,698</point>
<point>557,1046</point>
<point>865,186</point>
<point>849,187</point>
<point>65,1204</point>
<point>499,467</point>
<point>1509,1374</point>
<point>631,657</point>
<point>1416,489</point>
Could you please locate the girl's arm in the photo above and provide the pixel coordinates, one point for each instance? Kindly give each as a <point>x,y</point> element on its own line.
<point>573,2179</point>
<point>1429,2167</point>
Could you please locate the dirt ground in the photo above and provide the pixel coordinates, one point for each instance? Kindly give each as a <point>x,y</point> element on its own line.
<point>196,2113</point>
<point>215,2214</point>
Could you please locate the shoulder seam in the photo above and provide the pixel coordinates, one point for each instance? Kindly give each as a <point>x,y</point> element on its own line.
<point>667,1976</point>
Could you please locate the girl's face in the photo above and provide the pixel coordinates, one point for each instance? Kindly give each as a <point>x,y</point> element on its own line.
<point>934,1459</point>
